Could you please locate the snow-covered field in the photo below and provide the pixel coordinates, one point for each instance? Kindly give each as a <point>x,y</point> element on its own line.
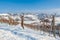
<point>11,32</point>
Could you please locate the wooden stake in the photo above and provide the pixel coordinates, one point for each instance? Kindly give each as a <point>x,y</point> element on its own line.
<point>22,20</point>
<point>53,25</point>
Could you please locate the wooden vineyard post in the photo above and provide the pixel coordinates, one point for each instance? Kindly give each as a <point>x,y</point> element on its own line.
<point>43,26</point>
<point>53,25</point>
<point>22,21</point>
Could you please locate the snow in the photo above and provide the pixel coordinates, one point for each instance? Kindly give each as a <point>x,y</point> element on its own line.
<point>11,32</point>
<point>33,17</point>
<point>57,20</point>
<point>6,35</point>
<point>29,22</point>
<point>3,14</point>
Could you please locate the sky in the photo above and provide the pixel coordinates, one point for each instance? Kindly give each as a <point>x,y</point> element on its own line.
<point>27,5</point>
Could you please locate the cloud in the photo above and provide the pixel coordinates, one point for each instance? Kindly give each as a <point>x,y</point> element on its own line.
<point>50,11</point>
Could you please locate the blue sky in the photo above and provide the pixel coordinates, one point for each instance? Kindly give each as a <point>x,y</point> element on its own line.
<point>18,5</point>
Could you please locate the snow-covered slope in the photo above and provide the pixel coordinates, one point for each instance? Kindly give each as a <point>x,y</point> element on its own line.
<point>17,33</point>
<point>7,35</point>
<point>57,20</point>
<point>11,32</point>
<point>30,18</point>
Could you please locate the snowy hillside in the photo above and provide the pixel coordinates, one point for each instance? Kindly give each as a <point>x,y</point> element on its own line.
<point>27,18</point>
<point>16,32</point>
<point>30,19</point>
<point>7,35</point>
<point>9,32</point>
